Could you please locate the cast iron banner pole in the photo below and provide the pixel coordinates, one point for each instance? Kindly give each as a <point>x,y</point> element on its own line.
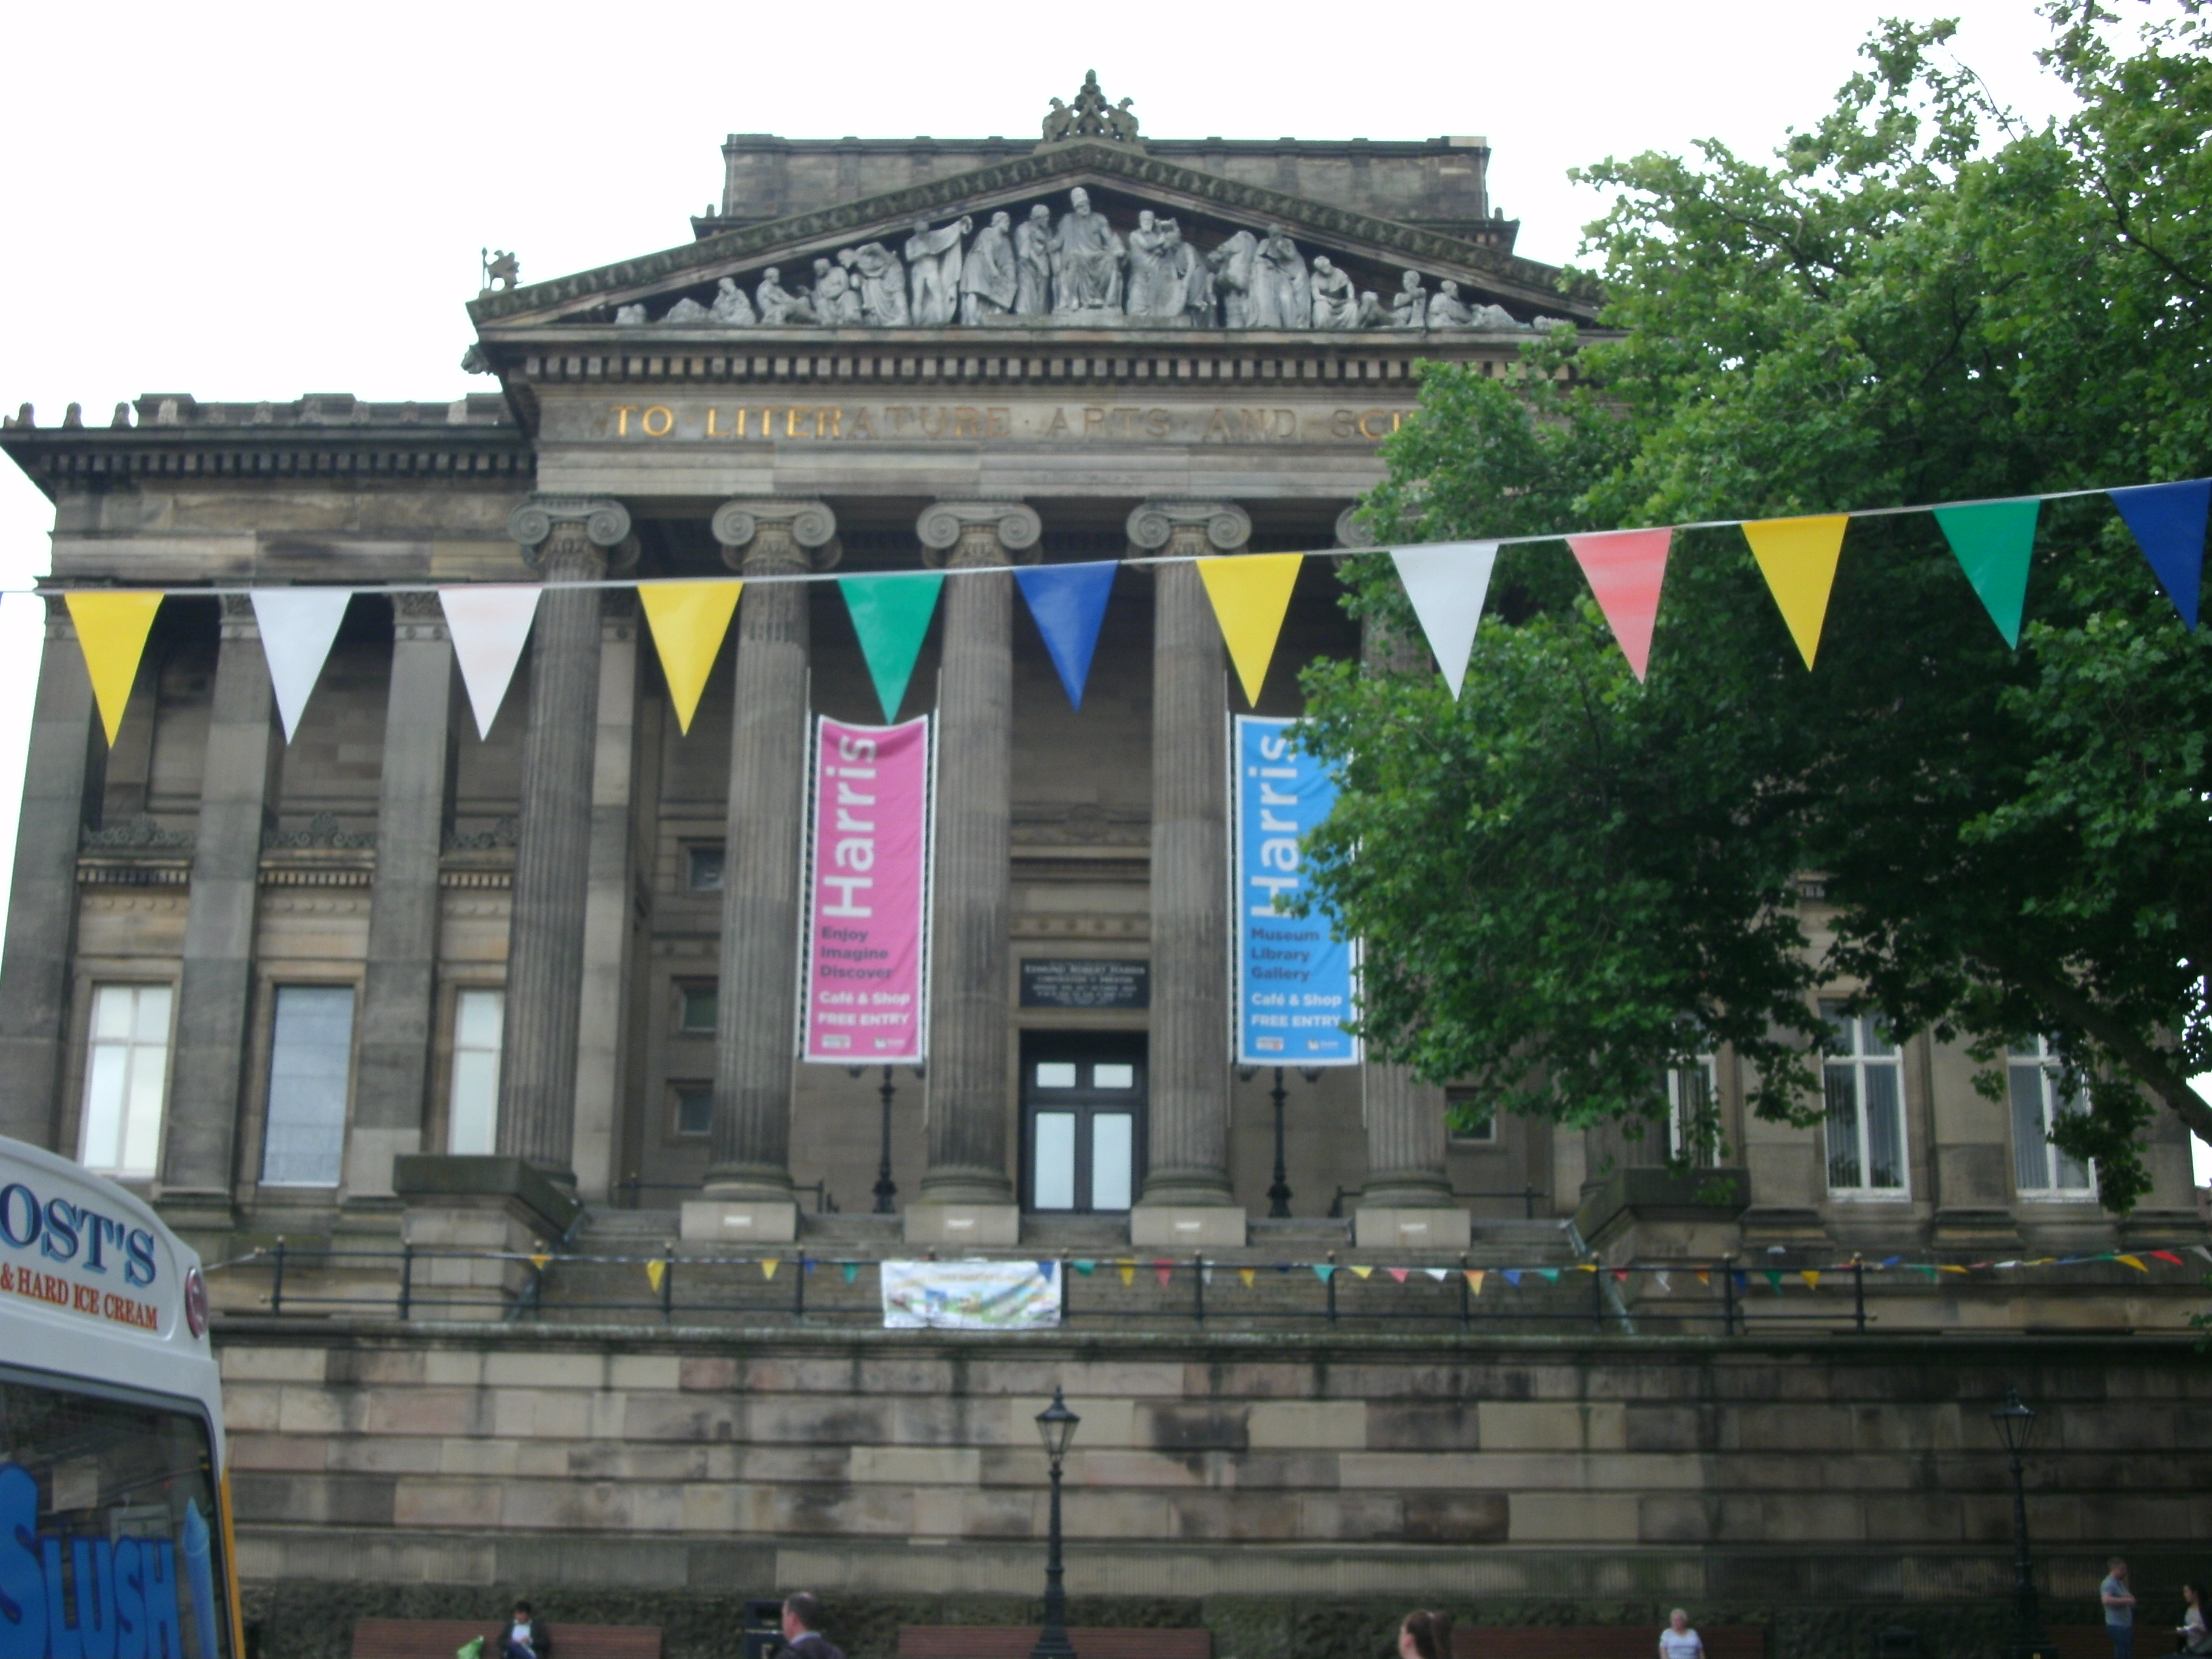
<point>2016,1426</point>
<point>886,1189</point>
<point>1056,1425</point>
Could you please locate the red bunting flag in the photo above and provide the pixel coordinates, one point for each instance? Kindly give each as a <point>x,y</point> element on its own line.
<point>1625,569</point>
<point>1398,1273</point>
<point>1163,1268</point>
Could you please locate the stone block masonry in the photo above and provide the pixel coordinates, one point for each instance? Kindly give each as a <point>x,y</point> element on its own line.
<point>1290,1492</point>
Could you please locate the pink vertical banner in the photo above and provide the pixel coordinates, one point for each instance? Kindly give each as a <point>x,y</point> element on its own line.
<point>866,996</point>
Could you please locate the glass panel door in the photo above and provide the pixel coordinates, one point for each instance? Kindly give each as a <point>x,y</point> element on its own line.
<point>1052,1170</point>
<point>1083,1122</point>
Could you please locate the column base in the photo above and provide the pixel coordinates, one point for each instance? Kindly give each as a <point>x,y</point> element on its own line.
<point>1391,1227</point>
<point>739,1221</point>
<point>1188,1226</point>
<point>472,1220</point>
<point>959,1225</point>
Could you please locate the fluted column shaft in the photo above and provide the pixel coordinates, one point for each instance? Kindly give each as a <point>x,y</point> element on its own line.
<point>968,1101</point>
<point>60,774</point>
<point>755,1007</point>
<point>1189,1124</point>
<point>552,870</point>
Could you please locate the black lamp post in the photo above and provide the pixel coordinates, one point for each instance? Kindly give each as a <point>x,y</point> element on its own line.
<point>2016,1427</point>
<point>886,1189</point>
<point>1278,1195</point>
<point>1056,1427</point>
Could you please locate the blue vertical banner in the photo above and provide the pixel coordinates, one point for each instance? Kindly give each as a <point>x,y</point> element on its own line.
<point>1293,989</point>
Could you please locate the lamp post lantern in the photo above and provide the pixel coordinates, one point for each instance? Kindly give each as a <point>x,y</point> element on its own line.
<point>1056,1427</point>
<point>2016,1425</point>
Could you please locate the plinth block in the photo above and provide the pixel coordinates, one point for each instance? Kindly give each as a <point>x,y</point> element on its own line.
<point>1437,1228</point>
<point>1188,1226</point>
<point>999,1225</point>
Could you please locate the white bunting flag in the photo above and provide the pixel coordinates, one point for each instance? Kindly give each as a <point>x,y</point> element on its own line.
<point>297,626</point>
<point>490,623</point>
<point>1448,584</point>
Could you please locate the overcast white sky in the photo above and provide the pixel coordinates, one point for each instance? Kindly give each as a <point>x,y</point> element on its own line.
<point>249,201</point>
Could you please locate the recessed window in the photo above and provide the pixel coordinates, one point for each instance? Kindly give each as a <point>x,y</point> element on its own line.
<point>2038,1166</point>
<point>472,1115</point>
<point>694,1007</point>
<point>125,1080</point>
<point>310,1067</point>
<point>1691,1103</point>
<point>1104,1076</point>
<point>694,1107</point>
<point>1055,1074</point>
<point>702,868</point>
<point>1471,1120</point>
<point>1866,1109</point>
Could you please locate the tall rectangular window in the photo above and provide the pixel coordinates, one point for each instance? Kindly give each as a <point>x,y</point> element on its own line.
<point>472,1112</point>
<point>2038,1166</point>
<point>1691,1104</point>
<point>126,1077</point>
<point>1866,1109</point>
<point>310,1065</point>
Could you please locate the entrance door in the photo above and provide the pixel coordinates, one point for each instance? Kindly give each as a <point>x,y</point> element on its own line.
<point>1083,1122</point>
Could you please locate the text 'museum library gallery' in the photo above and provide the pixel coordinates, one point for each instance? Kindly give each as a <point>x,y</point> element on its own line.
<point>793,774</point>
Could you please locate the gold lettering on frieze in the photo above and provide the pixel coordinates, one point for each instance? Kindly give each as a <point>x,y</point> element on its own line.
<point>1108,423</point>
<point>667,420</point>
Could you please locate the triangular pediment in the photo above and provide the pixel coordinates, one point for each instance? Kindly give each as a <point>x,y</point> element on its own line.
<point>1211,216</point>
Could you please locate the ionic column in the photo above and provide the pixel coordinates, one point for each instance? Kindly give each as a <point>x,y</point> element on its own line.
<point>609,929</point>
<point>1406,1170</point>
<point>566,540</point>
<point>1187,1197</point>
<point>969,1104</point>
<point>60,775</point>
<point>237,783</point>
<point>755,1007</point>
<point>391,1075</point>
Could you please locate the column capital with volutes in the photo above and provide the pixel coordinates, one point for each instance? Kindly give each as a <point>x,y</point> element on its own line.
<point>559,534</point>
<point>1352,531</point>
<point>958,532</point>
<point>1190,528</point>
<point>761,534</point>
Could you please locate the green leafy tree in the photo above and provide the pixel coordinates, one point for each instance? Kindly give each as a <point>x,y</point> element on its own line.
<point>1568,881</point>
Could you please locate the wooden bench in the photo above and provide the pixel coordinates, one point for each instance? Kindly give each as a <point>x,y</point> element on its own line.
<point>1598,1641</point>
<point>437,1638</point>
<point>1015,1641</point>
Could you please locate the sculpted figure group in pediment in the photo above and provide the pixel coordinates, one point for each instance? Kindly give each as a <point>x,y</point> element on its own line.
<point>1078,271</point>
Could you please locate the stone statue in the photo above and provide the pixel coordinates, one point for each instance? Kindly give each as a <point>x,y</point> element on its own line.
<point>1371,315</point>
<point>989,284</point>
<point>1232,267</point>
<point>1160,264</point>
<point>688,311</point>
<point>837,301</point>
<point>1198,302</point>
<point>932,258</point>
<point>1093,117</point>
<point>731,308</point>
<point>1059,122</point>
<point>628,316</point>
<point>882,283</point>
<point>777,305</point>
<point>1409,306</point>
<point>1281,295</point>
<point>1087,257</point>
<point>1033,263</point>
<point>1447,309</point>
<point>1496,317</point>
<point>1334,304</point>
<point>1121,122</point>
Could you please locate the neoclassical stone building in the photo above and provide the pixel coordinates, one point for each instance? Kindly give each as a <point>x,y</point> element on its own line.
<point>277,982</point>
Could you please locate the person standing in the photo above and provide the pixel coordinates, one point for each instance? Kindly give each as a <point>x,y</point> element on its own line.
<point>2119,1609</point>
<point>802,1629</point>
<point>2194,1637</point>
<point>1425,1636</point>
<point>1678,1640</point>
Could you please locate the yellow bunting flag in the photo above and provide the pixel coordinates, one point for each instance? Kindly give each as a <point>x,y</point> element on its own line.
<point>1946,1267</point>
<point>1586,1266</point>
<point>539,1261</point>
<point>689,620</point>
<point>1812,1278</point>
<point>768,1264</point>
<point>1248,1274</point>
<point>1362,1271</point>
<point>1798,557</point>
<point>1251,594</point>
<point>1704,1276</point>
<point>1128,1270</point>
<point>110,630</point>
<point>2135,1262</point>
<point>1475,1278</point>
<point>655,1273</point>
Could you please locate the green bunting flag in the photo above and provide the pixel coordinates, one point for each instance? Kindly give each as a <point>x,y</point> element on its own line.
<point>891,613</point>
<point>1994,541</point>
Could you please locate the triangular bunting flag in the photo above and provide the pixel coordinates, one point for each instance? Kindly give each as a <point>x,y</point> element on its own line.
<point>297,625</point>
<point>2201,1250</point>
<point>1625,570</point>
<point>2166,1255</point>
<point>1086,1268</point>
<point>891,613</point>
<point>1798,556</point>
<point>1704,1276</point>
<point>1948,1268</point>
<point>2135,1262</point>
<point>1513,1277</point>
<point>1551,1274</point>
<point>1362,1271</point>
<point>1251,594</point>
<point>655,1273</point>
<point>1068,602</point>
<point>1206,1272</point>
<point>1585,1266</point>
<point>1774,1278</point>
<point>1163,1269</point>
<point>1324,1271</point>
<point>1620,1275</point>
<point>1439,1274</point>
<point>1812,1278</point>
<point>1248,1274</point>
<point>768,1264</point>
<point>688,620</point>
<point>850,1269</point>
<point>2168,521</point>
<point>1128,1270</point>
<point>539,1261</point>
<point>490,623</point>
<point>111,631</point>
<point>1398,1273</point>
<point>1046,1269</point>
<point>1448,585</point>
<point>1664,1287</point>
<point>1994,542</point>
<point>1475,1278</point>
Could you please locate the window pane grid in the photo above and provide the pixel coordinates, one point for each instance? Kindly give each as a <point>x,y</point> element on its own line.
<point>1865,1099</point>
<point>310,1066</point>
<point>473,1117</point>
<point>2039,1166</point>
<point>126,1078</point>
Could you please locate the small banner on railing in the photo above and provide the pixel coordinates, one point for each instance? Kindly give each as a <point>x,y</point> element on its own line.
<point>865,995</point>
<point>970,1295</point>
<point>1293,990</point>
